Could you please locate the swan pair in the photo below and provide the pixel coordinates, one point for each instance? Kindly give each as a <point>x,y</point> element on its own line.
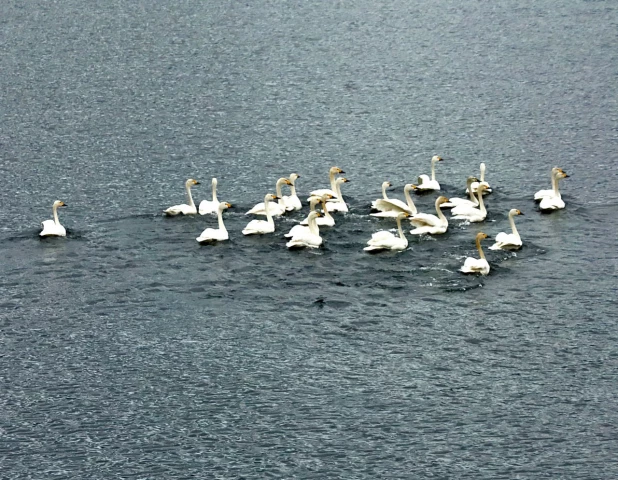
<point>552,199</point>
<point>326,219</point>
<point>475,185</point>
<point>477,265</point>
<point>306,237</point>
<point>336,202</point>
<point>259,227</point>
<point>53,228</point>
<point>467,211</point>
<point>278,209</point>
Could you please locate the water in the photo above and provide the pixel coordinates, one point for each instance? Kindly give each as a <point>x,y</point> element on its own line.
<point>128,350</point>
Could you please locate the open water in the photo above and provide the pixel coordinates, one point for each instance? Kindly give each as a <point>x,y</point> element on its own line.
<point>127,350</point>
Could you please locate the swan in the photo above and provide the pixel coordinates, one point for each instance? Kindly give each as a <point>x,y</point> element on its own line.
<point>326,220</point>
<point>338,204</point>
<point>184,208</point>
<point>475,185</point>
<point>477,265</point>
<point>554,202</point>
<point>210,206</point>
<point>385,240</point>
<point>424,183</point>
<point>296,229</point>
<point>392,207</point>
<point>333,190</point>
<point>428,223</point>
<point>276,209</point>
<point>291,202</point>
<point>508,241</point>
<point>53,228</point>
<point>541,194</point>
<point>471,214</point>
<point>456,202</point>
<point>385,185</point>
<point>216,234</point>
<point>307,238</point>
<point>258,227</point>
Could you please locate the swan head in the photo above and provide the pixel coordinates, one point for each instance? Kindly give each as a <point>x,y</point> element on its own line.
<point>514,211</point>
<point>341,180</point>
<point>471,180</point>
<point>314,214</point>
<point>481,236</point>
<point>440,200</point>
<point>409,187</point>
<point>224,206</point>
<point>269,197</point>
<point>481,188</point>
<point>214,182</point>
<point>335,170</point>
<point>191,182</point>
<point>386,184</point>
<point>482,167</point>
<point>293,177</point>
<point>59,203</point>
<point>562,174</point>
<point>436,158</point>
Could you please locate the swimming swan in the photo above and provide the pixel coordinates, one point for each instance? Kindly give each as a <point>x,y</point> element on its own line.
<point>475,185</point>
<point>385,185</point>
<point>258,227</point>
<point>471,214</point>
<point>477,265</point>
<point>276,209</point>
<point>326,220</point>
<point>393,206</point>
<point>210,206</point>
<point>297,229</point>
<point>508,241</point>
<point>307,238</point>
<point>333,190</point>
<point>428,223</point>
<point>554,202</point>
<point>216,234</point>
<point>541,194</point>
<point>291,202</point>
<point>52,228</point>
<point>456,202</point>
<point>184,208</point>
<point>424,183</point>
<point>338,204</point>
<point>385,240</point>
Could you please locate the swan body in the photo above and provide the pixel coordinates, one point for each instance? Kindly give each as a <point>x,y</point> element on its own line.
<point>471,214</point>
<point>332,190</point>
<point>385,185</point>
<point>275,209</point>
<point>508,241</point>
<point>477,265</point>
<point>541,194</point>
<point>475,185</point>
<point>297,229</point>
<point>392,207</point>
<point>291,202</point>
<point>338,204</point>
<point>53,228</point>
<point>309,238</point>
<point>428,223</point>
<point>184,209</point>
<point>424,182</point>
<point>210,206</point>
<point>385,240</point>
<point>554,202</point>
<point>456,202</point>
<point>216,234</point>
<point>259,227</point>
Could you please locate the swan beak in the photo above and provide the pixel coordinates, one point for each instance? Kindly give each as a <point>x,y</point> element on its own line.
<point>520,213</point>
<point>341,171</point>
<point>229,205</point>
<point>63,204</point>
<point>196,183</point>
<point>566,175</point>
<point>346,180</point>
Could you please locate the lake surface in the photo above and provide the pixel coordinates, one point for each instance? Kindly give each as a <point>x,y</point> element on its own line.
<point>127,350</point>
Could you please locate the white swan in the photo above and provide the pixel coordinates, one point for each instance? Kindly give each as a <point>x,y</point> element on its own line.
<point>307,238</point>
<point>385,185</point>
<point>554,202</point>
<point>326,220</point>
<point>428,223</point>
<point>508,241</point>
<point>541,194</point>
<point>477,265</point>
<point>276,209</point>
<point>471,214</point>
<point>258,227</point>
<point>53,228</point>
<point>210,206</point>
<point>393,206</point>
<point>385,240</point>
<point>456,202</point>
<point>424,182</point>
<point>216,234</point>
<point>291,201</point>
<point>185,209</point>
<point>338,204</point>
<point>475,185</point>
<point>297,229</point>
<point>331,176</point>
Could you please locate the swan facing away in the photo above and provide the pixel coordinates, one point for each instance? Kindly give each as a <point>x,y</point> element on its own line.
<point>471,214</point>
<point>258,227</point>
<point>385,185</point>
<point>475,185</point>
<point>53,228</point>
<point>393,206</point>
<point>291,201</point>
<point>275,209</point>
<point>309,238</point>
<point>185,209</point>
<point>428,223</point>
<point>427,184</point>
<point>216,234</point>
<point>334,171</point>
<point>385,240</point>
<point>457,202</point>
<point>477,265</point>
<point>338,204</point>
<point>509,241</point>
<point>541,194</point>
<point>210,206</point>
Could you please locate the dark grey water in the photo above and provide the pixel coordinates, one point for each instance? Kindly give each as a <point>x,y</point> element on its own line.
<point>129,351</point>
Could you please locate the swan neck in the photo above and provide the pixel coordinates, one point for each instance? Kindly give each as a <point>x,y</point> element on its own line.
<point>55,210</point>
<point>409,201</point>
<point>400,229</point>
<point>483,173</point>
<point>220,219</point>
<point>331,175</point>
<point>479,248</point>
<point>293,189</point>
<point>189,196</point>
<point>326,212</point>
<point>440,214</point>
<point>479,193</point>
<point>470,193</point>
<point>214,192</point>
<point>338,191</point>
<point>555,185</point>
<point>313,226</point>
<point>512,222</point>
<point>384,196</point>
<point>278,188</point>
<point>433,171</point>
<point>269,217</point>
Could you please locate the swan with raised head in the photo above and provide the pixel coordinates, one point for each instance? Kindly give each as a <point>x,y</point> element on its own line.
<point>291,201</point>
<point>477,265</point>
<point>185,209</point>
<point>309,238</point>
<point>276,209</point>
<point>385,240</point>
<point>424,182</point>
<point>258,227</point>
<point>456,202</point>
<point>471,214</point>
<point>332,173</point>
<point>337,204</point>
<point>475,185</point>
<point>541,194</point>
<point>216,234</point>
<point>53,228</point>
<point>385,185</point>
<point>554,202</point>
<point>509,241</point>
<point>210,206</point>
<point>428,223</point>
<point>393,206</point>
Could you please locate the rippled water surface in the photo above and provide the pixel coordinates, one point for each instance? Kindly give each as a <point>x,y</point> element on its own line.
<point>127,350</point>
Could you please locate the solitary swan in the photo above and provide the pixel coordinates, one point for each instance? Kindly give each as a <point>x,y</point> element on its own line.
<point>184,208</point>
<point>554,202</point>
<point>541,194</point>
<point>426,184</point>
<point>508,241</point>
<point>477,265</point>
<point>475,185</point>
<point>216,234</point>
<point>297,229</point>
<point>307,238</point>
<point>385,240</point>
<point>331,176</point>
<point>338,204</point>
<point>291,202</point>
<point>456,202</point>
<point>52,228</point>
<point>428,223</point>
<point>276,209</point>
<point>471,214</point>
<point>210,206</point>
<point>393,206</point>
<point>258,227</point>
<point>385,185</point>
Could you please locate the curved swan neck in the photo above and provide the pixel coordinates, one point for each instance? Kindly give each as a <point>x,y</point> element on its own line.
<point>433,170</point>
<point>214,191</point>
<point>280,182</point>
<point>512,222</point>
<point>439,212</point>
<point>411,206</point>
<point>470,193</point>
<point>384,187</point>
<point>338,191</point>
<point>554,184</point>
<point>293,189</point>
<point>313,226</point>
<point>220,219</point>
<point>478,247</point>
<point>55,210</point>
<point>269,217</point>
<point>401,235</point>
<point>479,193</point>
<point>331,176</point>
<point>189,196</point>
<point>325,210</point>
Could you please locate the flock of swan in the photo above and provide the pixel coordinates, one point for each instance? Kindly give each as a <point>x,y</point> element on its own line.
<point>324,202</point>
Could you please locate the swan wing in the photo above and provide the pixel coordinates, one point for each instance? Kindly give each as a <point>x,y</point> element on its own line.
<point>321,192</point>
<point>336,207</point>
<point>296,230</point>
<point>475,265</point>
<point>208,207</point>
<point>506,241</point>
<point>457,202</point>
<point>181,209</point>
<point>551,203</point>
<point>275,209</point>
<point>291,202</point>
<point>305,240</point>
<point>258,227</point>
<point>541,194</point>
<point>50,229</point>
<point>424,220</point>
<point>211,234</point>
<point>392,205</point>
<point>391,214</point>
